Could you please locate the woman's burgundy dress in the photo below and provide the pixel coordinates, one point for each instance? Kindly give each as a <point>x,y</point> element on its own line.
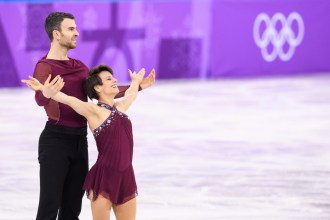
<point>112,176</point>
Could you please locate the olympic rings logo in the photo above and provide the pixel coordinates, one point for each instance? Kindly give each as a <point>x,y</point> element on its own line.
<point>278,38</point>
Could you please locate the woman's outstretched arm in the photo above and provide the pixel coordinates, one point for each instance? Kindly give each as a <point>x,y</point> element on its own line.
<point>51,89</point>
<point>132,91</point>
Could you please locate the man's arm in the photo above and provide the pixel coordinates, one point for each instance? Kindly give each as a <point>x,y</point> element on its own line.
<point>122,90</point>
<point>41,72</point>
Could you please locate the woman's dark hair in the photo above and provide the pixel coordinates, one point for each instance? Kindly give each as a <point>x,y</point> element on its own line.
<point>53,22</point>
<point>94,79</point>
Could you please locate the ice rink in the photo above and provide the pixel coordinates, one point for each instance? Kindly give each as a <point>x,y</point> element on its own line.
<point>204,150</point>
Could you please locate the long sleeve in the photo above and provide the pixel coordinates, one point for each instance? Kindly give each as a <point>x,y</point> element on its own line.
<point>41,72</point>
<point>122,90</point>
<point>73,73</point>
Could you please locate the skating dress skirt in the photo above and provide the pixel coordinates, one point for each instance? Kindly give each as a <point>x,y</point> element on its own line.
<point>112,175</point>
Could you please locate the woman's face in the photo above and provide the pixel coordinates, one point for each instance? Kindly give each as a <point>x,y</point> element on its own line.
<point>109,83</point>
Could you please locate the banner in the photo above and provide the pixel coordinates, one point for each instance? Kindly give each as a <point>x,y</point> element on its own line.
<point>263,38</point>
<point>180,39</point>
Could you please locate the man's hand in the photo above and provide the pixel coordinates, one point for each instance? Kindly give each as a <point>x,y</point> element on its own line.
<point>33,84</point>
<point>149,80</point>
<point>49,89</point>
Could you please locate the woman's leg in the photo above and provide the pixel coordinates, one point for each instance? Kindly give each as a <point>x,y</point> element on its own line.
<point>126,211</point>
<point>101,207</point>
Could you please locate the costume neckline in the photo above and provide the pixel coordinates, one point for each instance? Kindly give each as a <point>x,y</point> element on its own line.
<point>104,105</point>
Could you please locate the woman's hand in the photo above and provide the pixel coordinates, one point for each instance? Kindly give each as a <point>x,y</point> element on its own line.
<point>52,88</point>
<point>49,89</point>
<point>137,77</point>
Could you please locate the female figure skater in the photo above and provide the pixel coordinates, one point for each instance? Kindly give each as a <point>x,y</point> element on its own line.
<point>110,183</point>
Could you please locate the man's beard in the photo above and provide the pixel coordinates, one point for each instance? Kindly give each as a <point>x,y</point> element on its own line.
<point>72,46</point>
<point>69,45</point>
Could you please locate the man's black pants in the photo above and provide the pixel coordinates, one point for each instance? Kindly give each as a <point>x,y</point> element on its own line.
<point>63,159</point>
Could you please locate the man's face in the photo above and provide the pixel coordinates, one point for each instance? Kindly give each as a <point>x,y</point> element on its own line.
<point>68,33</point>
